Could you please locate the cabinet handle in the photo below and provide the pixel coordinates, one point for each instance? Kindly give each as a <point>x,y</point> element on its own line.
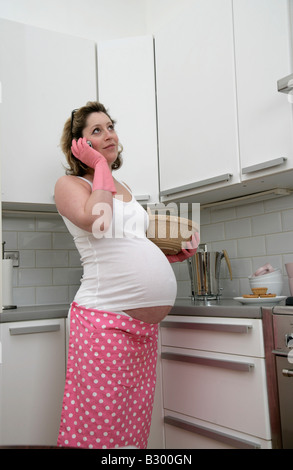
<point>26,330</point>
<point>263,165</point>
<point>228,328</point>
<point>211,434</point>
<point>206,361</point>
<point>197,184</point>
<point>287,373</point>
<point>142,197</point>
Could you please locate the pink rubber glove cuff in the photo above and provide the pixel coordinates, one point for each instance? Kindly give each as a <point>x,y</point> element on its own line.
<point>103,178</point>
<point>191,248</point>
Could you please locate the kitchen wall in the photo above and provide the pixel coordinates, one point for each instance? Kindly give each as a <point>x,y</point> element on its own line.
<point>252,234</point>
<point>49,271</point>
<point>90,19</point>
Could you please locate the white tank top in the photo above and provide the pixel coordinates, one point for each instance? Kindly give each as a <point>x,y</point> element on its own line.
<point>123,271</point>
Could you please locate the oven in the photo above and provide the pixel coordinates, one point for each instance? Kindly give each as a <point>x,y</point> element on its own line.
<point>283,353</point>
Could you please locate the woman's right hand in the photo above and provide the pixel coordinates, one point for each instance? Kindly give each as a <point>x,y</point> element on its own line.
<point>85,153</point>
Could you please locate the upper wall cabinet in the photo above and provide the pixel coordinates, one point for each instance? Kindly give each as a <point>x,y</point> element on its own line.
<point>126,84</point>
<point>224,129</point>
<point>263,55</point>
<point>44,76</point>
<point>197,126</point>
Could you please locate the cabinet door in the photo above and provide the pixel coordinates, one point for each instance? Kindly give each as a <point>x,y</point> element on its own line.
<point>185,432</point>
<point>196,98</point>
<point>44,76</point>
<point>33,379</point>
<point>263,56</point>
<point>126,83</point>
<point>224,389</point>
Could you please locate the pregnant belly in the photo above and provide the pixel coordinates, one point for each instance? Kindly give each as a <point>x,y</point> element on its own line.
<point>149,314</point>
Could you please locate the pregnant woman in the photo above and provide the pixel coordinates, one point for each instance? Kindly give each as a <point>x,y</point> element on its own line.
<point>127,288</point>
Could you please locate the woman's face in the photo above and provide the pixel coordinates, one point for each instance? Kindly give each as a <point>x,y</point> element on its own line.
<point>100,131</point>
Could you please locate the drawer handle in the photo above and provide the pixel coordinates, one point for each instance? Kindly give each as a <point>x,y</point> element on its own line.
<point>206,361</point>
<point>287,373</point>
<point>198,184</point>
<point>228,328</point>
<point>26,330</point>
<point>264,165</point>
<point>211,434</point>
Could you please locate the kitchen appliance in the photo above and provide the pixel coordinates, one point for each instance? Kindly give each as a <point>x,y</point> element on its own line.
<point>204,270</point>
<point>283,352</point>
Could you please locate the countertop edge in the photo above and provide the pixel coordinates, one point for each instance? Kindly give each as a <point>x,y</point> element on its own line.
<point>183,307</point>
<point>34,312</point>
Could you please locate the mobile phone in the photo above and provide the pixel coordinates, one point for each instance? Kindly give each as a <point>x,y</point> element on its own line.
<point>89,143</point>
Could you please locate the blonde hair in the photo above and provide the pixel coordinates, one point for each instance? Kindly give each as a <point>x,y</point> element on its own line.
<point>73,128</point>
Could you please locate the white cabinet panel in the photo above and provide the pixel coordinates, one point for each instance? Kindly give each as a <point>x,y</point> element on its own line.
<point>219,388</point>
<point>126,83</point>
<point>196,96</point>
<point>44,76</point>
<point>184,432</point>
<point>33,379</point>
<point>226,335</point>
<point>263,55</point>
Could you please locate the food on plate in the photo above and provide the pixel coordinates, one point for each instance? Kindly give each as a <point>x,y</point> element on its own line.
<point>259,290</point>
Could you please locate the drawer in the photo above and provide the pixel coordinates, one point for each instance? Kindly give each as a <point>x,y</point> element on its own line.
<point>223,389</point>
<point>184,432</point>
<point>226,335</point>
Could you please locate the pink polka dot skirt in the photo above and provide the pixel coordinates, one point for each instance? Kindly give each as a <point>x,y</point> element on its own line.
<point>110,381</point>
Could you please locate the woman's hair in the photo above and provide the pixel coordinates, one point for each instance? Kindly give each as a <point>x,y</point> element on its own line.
<point>73,128</point>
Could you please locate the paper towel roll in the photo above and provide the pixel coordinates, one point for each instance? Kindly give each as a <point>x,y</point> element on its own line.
<point>7,280</point>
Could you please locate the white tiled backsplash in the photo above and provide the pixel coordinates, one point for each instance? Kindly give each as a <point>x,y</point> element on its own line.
<point>253,235</point>
<point>49,271</point>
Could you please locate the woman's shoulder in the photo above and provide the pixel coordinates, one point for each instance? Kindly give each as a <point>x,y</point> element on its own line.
<point>71,180</point>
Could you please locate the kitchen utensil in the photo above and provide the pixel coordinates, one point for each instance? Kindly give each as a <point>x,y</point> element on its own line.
<point>276,273</point>
<point>260,300</point>
<point>204,271</point>
<point>272,281</point>
<point>169,232</point>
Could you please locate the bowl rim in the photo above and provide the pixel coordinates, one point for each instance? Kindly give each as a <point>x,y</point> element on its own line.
<point>273,274</point>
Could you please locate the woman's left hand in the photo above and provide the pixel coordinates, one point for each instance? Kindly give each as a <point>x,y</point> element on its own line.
<point>186,252</point>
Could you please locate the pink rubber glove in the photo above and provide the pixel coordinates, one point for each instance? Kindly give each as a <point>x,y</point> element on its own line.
<point>190,250</point>
<point>102,174</point>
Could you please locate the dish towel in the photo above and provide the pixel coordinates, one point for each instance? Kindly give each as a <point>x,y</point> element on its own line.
<point>110,381</point>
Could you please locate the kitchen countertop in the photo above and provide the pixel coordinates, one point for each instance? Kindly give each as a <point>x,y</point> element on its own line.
<point>219,308</point>
<point>183,307</point>
<point>35,312</point>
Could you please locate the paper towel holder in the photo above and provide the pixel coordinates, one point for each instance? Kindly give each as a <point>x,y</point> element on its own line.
<point>5,286</point>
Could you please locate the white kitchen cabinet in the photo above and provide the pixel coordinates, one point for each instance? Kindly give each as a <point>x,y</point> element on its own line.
<point>263,55</point>
<point>197,121</point>
<point>224,129</point>
<point>33,379</point>
<point>214,383</point>
<point>44,76</point>
<point>126,86</point>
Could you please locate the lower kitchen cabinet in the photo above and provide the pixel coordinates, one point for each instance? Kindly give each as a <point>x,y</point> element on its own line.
<point>33,378</point>
<point>213,383</point>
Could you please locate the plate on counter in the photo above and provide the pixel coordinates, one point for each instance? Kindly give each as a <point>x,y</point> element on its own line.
<point>260,300</point>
